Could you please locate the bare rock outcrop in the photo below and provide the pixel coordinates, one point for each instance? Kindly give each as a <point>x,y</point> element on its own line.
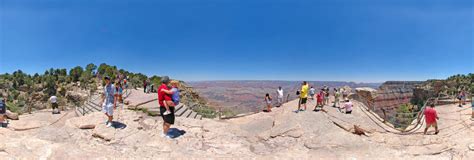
<point>11,115</point>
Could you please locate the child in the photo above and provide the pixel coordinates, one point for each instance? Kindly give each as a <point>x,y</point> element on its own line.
<point>431,118</point>
<point>319,100</point>
<point>348,106</point>
<point>174,97</point>
<point>268,101</point>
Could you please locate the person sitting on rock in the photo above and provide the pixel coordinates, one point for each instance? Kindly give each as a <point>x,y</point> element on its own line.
<point>431,118</point>
<point>108,101</point>
<point>268,102</point>
<point>348,106</point>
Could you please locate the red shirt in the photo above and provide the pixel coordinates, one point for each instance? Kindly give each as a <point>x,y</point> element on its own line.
<point>162,96</point>
<point>430,115</point>
<point>319,97</point>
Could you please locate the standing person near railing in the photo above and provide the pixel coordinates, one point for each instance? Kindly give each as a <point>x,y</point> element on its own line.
<point>108,101</point>
<point>280,96</point>
<point>431,117</point>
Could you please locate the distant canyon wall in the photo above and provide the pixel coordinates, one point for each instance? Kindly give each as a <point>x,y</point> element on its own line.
<point>389,96</point>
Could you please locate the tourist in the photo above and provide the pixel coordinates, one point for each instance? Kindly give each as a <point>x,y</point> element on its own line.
<point>144,86</point>
<point>337,95</point>
<point>280,96</point>
<point>462,98</point>
<point>348,106</point>
<point>125,83</point>
<point>164,95</point>
<point>303,96</point>
<point>319,100</point>
<point>344,93</point>
<point>54,104</point>
<point>152,88</point>
<point>431,116</point>
<point>175,95</point>
<point>148,86</point>
<point>268,102</point>
<point>326,96</point>
<point>118,92</point>
<point>3,110</point>
<point>472,105</point>
<point>108,101</point>
<point>312,92</point>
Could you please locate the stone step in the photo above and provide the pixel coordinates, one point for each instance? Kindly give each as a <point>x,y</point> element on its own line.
<point>177,108</point>
<point>180,112</point>
<point>199,117</point>
<point>78,112</point>
<point>88,109</point>
<point>94,107</point>
<point>193,115</point>
<point>187,114</point>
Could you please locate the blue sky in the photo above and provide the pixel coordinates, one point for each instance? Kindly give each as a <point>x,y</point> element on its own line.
<point>359,40</point>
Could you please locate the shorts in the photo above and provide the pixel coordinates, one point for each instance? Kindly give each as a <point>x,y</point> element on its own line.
<point>167,118</point>
<point>3,109</point>
<point>54,105</point>
<point>434,124</point>
<point>303,100</point>
<point>312,95</point>
<point>108,109</point>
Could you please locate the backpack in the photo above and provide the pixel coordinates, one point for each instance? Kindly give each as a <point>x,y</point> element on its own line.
<point>175,97</point>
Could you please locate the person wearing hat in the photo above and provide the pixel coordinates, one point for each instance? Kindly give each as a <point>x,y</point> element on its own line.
<point>348,106</point>
<point>164,95</point>
<point>108,101</point>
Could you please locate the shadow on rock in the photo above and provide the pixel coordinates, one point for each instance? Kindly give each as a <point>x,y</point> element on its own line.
<point>176,133</point>
<point>118,125</point>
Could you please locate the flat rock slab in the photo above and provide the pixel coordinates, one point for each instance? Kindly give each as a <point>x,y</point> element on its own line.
<point>26,125</point>
<point>102,132</point>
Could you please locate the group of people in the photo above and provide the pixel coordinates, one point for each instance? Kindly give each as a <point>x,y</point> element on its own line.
<point>148,86</point>
<point>309,93</point>
<point>322,98</point>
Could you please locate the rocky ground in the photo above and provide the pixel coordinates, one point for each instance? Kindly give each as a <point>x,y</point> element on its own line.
<point>281,134</point>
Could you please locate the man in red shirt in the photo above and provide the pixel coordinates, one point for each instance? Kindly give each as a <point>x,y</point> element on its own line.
<point>431,116</point>
<point>163,96</point>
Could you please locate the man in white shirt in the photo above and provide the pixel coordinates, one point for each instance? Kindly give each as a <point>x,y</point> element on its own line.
<point>280,96</point>
<point>54,104</point>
